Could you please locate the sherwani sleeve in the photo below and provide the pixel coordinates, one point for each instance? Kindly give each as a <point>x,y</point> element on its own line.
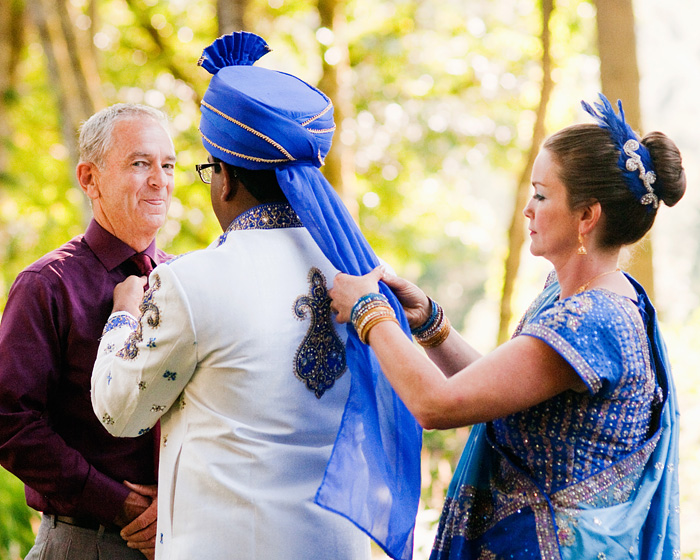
<point>143,365</point>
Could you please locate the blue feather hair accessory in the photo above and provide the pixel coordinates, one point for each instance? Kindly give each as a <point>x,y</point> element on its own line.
<point>635,160</point>
<point>235,49</point>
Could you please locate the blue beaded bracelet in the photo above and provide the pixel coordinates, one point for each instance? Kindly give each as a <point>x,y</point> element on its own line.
<point>364,300</point>
<point>429,323</point>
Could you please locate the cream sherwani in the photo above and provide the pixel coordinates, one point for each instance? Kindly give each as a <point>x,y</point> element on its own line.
<point>237,354</point>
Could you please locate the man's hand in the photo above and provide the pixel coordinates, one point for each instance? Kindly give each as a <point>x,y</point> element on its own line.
<point>139,520</point>
<point>129,294</point>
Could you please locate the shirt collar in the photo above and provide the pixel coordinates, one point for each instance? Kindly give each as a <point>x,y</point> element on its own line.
<point>110,250</point>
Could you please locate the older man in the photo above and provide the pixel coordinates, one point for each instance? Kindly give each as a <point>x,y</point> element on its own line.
<point>87,483</point>
<point>237,349</point>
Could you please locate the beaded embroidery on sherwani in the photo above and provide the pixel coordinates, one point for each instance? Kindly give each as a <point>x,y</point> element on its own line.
<point>266,216</point>
<point>320,359</point>
<point>116,322</point>
<point>149,311</point>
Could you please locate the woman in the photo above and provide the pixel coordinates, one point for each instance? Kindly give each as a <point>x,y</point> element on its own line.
<point>575,451</point>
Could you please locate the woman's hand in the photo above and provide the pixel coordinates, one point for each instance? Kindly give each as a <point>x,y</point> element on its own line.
<point>348,289</point>
<point>413,300</point>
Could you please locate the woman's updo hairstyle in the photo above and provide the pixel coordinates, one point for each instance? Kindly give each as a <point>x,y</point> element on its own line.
<point>588,168</point>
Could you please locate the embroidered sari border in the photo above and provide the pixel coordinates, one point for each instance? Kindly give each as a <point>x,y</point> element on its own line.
<point>585,490</point>
<point>567,351</point>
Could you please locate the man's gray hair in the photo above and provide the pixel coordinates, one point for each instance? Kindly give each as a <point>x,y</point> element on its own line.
<point>96,132</point>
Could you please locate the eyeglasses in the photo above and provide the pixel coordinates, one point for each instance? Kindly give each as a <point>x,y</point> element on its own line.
<point>205,170</point>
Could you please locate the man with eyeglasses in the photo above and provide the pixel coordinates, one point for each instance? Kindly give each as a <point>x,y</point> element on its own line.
<point>238,354</point>
<point>89,485</point>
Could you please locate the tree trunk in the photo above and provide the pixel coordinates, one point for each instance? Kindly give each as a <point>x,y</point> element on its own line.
<point>71,68</point>
<point>83,64</point>
<point>335,83</point>
<point>619,77</point>
<point>11,41</point>
<point>231,16</point>
<point>516,232</point>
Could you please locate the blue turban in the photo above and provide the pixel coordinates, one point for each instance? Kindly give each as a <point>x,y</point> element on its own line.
<point>257,118</point>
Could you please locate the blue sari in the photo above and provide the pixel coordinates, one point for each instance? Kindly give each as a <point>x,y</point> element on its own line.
<point>589,475</point>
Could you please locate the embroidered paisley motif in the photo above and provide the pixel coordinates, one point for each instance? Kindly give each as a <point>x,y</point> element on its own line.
<point>320,359</point>
<point>150,313</point>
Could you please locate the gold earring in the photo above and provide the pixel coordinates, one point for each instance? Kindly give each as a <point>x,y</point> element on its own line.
<point>582,248</point>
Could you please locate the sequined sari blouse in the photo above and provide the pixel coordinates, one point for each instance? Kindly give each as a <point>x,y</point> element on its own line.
<point>575,435</point>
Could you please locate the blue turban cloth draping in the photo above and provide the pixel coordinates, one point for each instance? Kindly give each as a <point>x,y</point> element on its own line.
<point>257,118</point>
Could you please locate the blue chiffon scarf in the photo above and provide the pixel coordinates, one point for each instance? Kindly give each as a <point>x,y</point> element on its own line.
<point>373,476</point>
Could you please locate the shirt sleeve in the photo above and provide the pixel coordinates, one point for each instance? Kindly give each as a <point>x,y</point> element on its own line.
<point>144,364</point>
<point>30,361</point>
<point>587,331</point>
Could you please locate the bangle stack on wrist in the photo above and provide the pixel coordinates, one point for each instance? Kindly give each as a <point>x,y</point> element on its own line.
<point>435,330</point>
<point>368,311</point>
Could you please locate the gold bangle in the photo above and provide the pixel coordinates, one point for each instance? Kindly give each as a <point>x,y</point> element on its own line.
<point>370,320</point>
<point>370,315</point>
<point>364,337</point>
<point>438,336</point>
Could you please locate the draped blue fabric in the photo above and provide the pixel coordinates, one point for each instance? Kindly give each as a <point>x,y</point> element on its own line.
<point>661,529</point>
<point>645,526</point>
<point>262,119</point>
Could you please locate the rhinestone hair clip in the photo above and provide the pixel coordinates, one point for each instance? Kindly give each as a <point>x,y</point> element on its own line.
<point>648,178</point>
<point>635,160</point>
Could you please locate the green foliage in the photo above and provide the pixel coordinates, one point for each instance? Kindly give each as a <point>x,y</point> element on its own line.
<point>41,205</point>
<point>443,95</point>
<point>443,92</point>
<point>16,535</point>
<point>436,91</point>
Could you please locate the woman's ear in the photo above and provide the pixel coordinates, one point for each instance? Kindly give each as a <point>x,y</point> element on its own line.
<point>590,216</point>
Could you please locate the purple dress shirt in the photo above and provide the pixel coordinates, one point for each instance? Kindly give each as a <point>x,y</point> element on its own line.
<point>50,437</point>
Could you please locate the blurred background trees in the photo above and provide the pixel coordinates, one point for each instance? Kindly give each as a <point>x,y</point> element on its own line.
<point>440,105</point>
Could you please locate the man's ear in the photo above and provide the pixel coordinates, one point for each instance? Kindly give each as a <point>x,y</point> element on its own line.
<point>88,178</point>
<point>229,184</point>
